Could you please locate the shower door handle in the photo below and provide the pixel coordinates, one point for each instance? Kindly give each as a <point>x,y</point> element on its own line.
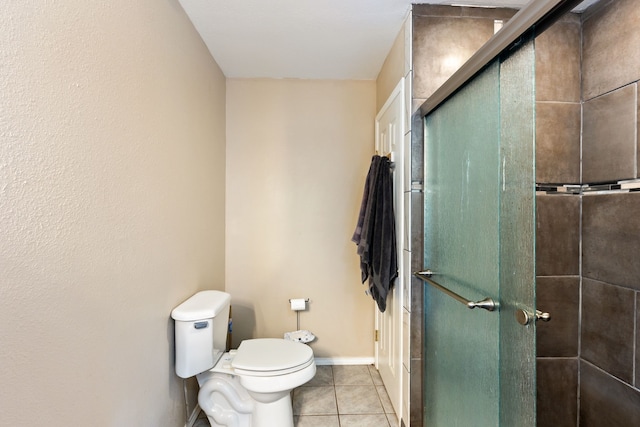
<point>486,303</point>
<point>525,317</point>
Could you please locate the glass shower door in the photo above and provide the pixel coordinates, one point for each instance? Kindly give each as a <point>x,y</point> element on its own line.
<point>479,243</point>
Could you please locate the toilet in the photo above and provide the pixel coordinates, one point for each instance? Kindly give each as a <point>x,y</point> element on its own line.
<point>247,387</point>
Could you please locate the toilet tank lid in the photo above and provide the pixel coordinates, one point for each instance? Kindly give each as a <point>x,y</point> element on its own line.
<point>202,305</point>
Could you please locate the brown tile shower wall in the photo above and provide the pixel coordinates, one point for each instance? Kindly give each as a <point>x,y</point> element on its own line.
<point>609,355</point>
<point>558,293</point>
<point>610,74</point>
<point>558,221</point>
<point>609,140</point>
<point>591,348</point>
<point>558,102</point>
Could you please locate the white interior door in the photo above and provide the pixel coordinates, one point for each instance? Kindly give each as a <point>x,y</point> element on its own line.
<point>389,141</point>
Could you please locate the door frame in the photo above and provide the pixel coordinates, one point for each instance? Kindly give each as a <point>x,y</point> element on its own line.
<point>395,150</point>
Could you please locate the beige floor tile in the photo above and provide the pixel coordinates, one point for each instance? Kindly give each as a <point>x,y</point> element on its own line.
<point>358,399</point>
<point>314,401</point>
<point>324,376</point>
<point>340,396</point>
<point>375,375</point>
<point>384,398</point>
<point>316,421</point>
<point>370,420</point>
<point>393,420</point>
<point>351,375</point>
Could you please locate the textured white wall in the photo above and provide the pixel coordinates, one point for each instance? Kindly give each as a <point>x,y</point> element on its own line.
<point>112,129</point>
<point>298,152</point>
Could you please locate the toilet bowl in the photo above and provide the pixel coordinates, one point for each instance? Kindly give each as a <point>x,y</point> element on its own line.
<point>247,387</point>
<point>260,376</point>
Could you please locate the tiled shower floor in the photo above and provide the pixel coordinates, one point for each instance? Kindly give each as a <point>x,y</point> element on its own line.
<point>340,396</point>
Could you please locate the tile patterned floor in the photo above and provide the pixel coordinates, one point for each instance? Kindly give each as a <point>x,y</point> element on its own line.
<point>340,396</point>
<point>343,396</point>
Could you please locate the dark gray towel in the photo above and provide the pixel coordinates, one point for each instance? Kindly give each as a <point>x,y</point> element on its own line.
<point>360,235</point>
<point>375,233</point>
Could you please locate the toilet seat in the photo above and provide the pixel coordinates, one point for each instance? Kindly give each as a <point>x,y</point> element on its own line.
<point>267,357</point>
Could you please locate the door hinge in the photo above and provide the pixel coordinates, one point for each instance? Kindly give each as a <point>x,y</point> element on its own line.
<point>376,335</point>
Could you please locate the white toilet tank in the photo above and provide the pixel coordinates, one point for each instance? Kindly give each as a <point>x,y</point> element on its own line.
<point>201,325</point>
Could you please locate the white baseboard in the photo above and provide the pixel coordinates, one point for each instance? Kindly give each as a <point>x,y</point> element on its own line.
<point>193,417</point>
<point>344,361</point>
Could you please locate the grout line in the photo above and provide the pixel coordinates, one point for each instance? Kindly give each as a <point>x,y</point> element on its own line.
<point>636,132</point>
<point>635,334</point>
<point>579,377</point>
<point>610,375</point>
<point>335,396</point>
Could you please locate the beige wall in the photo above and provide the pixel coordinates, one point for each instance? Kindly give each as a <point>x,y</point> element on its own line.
<point>111,206</point>
<point>297,155</point>
<point>392,70</point>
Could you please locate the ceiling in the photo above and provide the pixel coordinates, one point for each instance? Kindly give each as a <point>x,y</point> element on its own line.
<point>305,39</point>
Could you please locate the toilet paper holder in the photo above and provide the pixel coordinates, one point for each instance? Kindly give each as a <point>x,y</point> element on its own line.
<point>298,305</point>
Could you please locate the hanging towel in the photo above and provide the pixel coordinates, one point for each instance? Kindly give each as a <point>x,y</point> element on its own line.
<point>362,228</point>
<point>375,234</point>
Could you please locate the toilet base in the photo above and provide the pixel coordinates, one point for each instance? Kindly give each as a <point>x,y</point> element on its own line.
<point>226,403</point>
<point>278,413</point>
<point>232,400</point>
